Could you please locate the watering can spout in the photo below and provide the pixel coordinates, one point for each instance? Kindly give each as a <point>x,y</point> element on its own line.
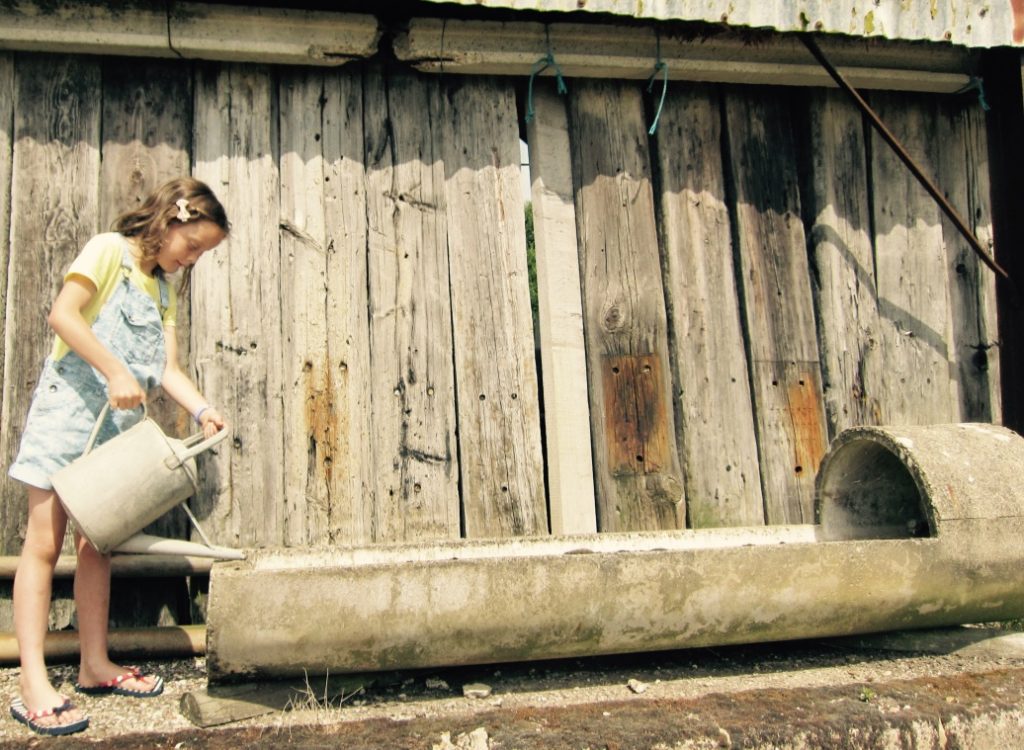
<point>147,544</point>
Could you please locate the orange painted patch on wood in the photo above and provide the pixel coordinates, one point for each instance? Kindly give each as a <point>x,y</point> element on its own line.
<point>320,415</point>
<point>636,417</point>
<point>805,411</point>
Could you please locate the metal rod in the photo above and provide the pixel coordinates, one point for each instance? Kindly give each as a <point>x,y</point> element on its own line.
<point>901,152</point>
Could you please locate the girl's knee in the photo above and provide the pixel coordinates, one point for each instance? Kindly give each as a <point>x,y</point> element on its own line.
<point>41,549</point>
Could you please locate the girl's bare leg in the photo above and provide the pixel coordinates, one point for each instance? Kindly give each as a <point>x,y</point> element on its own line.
<point>92,601</point>
<point>33,583</point>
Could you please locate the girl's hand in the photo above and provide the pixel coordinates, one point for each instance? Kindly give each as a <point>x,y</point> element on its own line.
<point>125,391</point>
<point>211,421</point>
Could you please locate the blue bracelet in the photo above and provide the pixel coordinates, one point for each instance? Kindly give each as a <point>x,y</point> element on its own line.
<point>199,414</point>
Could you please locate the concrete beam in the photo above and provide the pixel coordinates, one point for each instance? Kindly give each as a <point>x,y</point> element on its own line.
<point>189,30</point>
<point>630,52</point>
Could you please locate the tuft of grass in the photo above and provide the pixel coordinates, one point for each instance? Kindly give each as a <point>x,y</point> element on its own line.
<point>320,702</point>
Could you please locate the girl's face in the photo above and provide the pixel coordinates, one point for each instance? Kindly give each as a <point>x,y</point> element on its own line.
<point>185,243</point>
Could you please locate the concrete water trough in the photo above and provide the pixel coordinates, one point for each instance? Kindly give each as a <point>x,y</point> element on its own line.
<point>918,527</point>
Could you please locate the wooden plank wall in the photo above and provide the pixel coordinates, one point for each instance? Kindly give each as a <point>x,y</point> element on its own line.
<point>807,288</point>
<point>440,437</point>
<point>757,276</point>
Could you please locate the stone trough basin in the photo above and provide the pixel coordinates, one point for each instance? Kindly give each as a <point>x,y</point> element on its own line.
<point>917,527</point>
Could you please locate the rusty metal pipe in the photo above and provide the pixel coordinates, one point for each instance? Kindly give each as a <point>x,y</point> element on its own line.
<point>130,643</point>
<point>901,152</point>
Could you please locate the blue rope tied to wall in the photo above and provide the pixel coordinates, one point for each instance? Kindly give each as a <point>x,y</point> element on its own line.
<point>977,83</point>
<point>548,61</point>
<point>663,67</point>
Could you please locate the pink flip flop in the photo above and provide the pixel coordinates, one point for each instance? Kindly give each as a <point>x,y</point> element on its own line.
<point>114,686</point>
<point>30,718</point>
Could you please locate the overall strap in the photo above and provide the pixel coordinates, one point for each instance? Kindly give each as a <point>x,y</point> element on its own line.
<point>165,293</point>
<point>128,263</point>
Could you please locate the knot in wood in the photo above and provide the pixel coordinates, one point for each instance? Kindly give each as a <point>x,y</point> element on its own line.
<point>664,489</point>
<point>613,319</point>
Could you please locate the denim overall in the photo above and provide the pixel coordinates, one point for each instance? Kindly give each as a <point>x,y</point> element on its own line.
<point>71,392</point>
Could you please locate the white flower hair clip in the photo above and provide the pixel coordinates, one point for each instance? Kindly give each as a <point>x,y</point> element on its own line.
<point>183,214</point>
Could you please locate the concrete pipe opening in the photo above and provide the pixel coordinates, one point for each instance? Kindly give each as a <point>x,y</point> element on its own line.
<point>866,491</point>
<point>904,482</point>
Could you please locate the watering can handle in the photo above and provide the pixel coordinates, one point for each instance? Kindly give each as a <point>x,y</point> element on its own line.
<point>99,423</point>
<point>195,450</point>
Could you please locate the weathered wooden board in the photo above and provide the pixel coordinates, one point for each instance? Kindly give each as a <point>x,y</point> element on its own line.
<point>307,407</point>
<point>785,371</point>
<point>415,459</point>
<point>349,465</point>
<point>6,159</point>
<point>719,447</point>
<point>964,175</point>
<point>573,508</point>
<point>500,454</point>
<point>147,131</point>
<point>910,262</point>
<point>54,212</point>
<point>624,312</point>
<point>236,305</point>
<point>842,253</point>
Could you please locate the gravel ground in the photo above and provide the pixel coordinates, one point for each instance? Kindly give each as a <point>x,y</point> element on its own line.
<point>428,709</point>
<point>115,716</point>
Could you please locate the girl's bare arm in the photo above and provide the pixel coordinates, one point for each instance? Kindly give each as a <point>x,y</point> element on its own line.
<point>180,387</point>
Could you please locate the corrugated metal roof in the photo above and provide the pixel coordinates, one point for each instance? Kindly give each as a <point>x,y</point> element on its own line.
<point>972,23</point>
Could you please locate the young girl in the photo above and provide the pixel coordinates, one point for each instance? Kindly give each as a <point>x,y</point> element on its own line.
<point>114,320</point>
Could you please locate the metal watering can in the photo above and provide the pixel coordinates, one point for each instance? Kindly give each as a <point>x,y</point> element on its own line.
<point>128,482</point>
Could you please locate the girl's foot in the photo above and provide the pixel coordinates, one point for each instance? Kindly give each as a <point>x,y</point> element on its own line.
<point>130,682</point>
<point>57,719</point>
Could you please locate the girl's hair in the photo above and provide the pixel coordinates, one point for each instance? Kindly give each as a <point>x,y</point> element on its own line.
<point>150,221</point>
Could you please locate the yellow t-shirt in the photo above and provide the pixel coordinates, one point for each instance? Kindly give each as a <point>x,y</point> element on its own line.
<point>100,262</point>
